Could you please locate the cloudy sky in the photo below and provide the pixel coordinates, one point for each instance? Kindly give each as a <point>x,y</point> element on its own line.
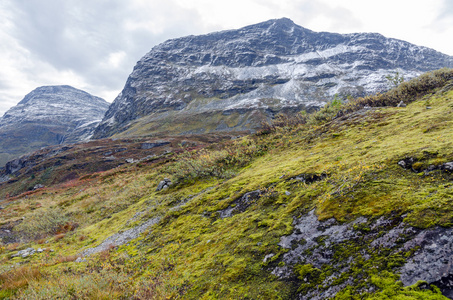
<point>94,44</point>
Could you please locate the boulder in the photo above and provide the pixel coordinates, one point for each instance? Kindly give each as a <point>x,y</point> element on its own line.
<point>164,184</point>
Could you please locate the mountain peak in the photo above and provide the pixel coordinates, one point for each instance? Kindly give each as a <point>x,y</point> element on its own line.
<point>266,67</point>
<point>280,22</point>
<point>49,115</point>
<point>52,90</point>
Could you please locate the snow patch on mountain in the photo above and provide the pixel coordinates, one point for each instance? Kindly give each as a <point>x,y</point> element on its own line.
<point>271,65</point>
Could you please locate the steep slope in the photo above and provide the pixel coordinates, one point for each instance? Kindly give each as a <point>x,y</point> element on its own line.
<point>49,115</point>
<point>351,202</point>
<point>234,79</point>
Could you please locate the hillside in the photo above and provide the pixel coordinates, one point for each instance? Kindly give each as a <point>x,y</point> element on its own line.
<point>351,202</point>
<point>232,80</point>
<point>49,115</point>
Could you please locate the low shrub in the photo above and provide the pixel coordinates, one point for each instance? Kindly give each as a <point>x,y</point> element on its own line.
<point>407,92</point>
<point>215,163</point>
<point>42,222</point>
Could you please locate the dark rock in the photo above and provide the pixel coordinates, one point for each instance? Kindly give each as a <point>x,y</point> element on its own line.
<point>448,166</point>
<point>164,184</point>
<point>309,178</point>
<point>445,284</point>
<point>406,163</point>
<point>240,204</point>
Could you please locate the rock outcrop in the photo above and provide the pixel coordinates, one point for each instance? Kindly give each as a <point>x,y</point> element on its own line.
<point>317,245</point>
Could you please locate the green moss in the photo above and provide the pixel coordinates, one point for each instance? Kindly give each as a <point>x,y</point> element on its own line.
<point>393,289</point>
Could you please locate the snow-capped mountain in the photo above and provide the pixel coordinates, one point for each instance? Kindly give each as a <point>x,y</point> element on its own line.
<point>49,115</point>
<point>231,79</point>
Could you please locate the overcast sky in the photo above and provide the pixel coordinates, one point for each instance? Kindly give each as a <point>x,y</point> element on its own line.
<point>93,45</point>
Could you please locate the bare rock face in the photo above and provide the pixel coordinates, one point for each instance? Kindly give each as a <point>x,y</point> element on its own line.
<point>343,248</point>
<point>49,115</point>
<point>230,80</point>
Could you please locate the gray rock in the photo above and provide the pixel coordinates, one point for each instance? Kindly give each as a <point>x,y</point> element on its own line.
<point>267,257</point>
<point>401,104</point>
<point>164,184</point>
<point>24,253</point>
<point>448,166</point>
<point>38,186</point>
<point>433,261</point>
<point>4,178</point>
<point>315,242</point>
<point>308,178</point>
<point>121,238</point>
<point>80,260</point>
<point>406,163</point>
<point>150,145</point>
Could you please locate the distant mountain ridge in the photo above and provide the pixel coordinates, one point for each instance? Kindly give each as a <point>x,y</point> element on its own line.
<point>49,115</point>
<point>232,80</point>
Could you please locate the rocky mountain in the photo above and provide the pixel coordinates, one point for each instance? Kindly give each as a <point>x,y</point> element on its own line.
<point>231,80</point>
<point>49,115</point>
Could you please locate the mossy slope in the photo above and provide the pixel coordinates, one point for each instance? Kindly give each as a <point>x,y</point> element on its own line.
<point>213,242</point>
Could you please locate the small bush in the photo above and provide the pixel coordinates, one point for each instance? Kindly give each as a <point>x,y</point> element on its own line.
<point>63,259</point>
<point>283,120</point>
<point>42,222</point>
<point>327,113</point>
<point>215,163</point>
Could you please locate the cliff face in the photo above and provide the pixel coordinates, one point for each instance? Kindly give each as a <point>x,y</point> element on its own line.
<point>231,80</point>
<point>49,115</point>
